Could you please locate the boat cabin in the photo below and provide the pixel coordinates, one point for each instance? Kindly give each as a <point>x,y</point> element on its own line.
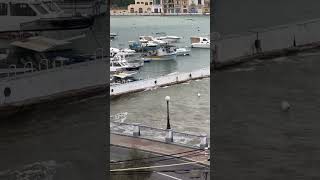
<point>199,40</point>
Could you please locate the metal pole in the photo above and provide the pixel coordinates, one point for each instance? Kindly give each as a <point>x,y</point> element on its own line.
<point>168,118</point>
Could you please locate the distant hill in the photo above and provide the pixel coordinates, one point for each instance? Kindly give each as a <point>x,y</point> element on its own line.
<point>121,3</point>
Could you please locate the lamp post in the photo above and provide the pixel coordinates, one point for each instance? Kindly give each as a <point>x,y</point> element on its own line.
<point>168,117</point>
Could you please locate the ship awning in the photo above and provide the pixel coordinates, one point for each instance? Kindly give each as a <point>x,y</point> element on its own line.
<point>39,43</point>
<point>121,75</point>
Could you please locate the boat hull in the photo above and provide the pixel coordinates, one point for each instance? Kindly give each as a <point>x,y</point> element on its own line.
<point>48,85</point>
<point>204,46</point>
<point>60,23</point>
<point>161,58</point>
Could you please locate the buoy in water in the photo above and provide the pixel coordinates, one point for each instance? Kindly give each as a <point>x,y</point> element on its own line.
<point>285,106</point>
<point>199,94</point>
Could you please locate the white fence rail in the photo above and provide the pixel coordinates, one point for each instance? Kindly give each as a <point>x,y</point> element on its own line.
<point>140,131</point>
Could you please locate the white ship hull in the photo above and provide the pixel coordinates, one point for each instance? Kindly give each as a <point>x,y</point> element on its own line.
<point>47,85</point>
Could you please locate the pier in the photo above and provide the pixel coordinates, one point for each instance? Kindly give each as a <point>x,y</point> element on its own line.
<point>160,148</point>
<point>161,81</point>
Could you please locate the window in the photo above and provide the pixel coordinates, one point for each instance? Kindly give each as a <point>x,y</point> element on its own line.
<point>51,7</point>
<point>150,3</point>
<point>140,10</point>
<point>142,2</point>
<point>131,10</point>
<point>21,9</point>
<point>40,9</point>
<point>199,1</point>
<point>3,9</point>
<point>138,2</point>
<point>146,3</point>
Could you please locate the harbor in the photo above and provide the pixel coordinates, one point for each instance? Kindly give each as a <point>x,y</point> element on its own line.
<point>165,72</point>
<point>159,71</point>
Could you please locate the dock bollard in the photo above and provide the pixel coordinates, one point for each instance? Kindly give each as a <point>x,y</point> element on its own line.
<point>169,137</point>
<point>204,141</point>
<point>136,130</point>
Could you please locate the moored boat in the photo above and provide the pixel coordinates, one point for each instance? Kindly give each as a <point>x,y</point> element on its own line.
<point>169,39</point>
<point>161,54</point>
<point>182,51</point>
<point>200,42</point>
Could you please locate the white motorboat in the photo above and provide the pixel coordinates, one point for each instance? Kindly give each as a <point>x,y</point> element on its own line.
<point>182,51</point>
<point>169,39</point>
<point>127,60</point>
<point>145,39</point>
<point>113,51</point>
<point>113,35</point>
<point>200,42</point>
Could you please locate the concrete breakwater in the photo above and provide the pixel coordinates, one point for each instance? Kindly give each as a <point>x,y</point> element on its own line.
<point>166,80</point>
<point>265,43</point>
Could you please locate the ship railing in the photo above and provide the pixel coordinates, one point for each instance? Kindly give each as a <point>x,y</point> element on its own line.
<point>28,66</point>
<point>14,67</point>
<point>162,135</point>
<point>44,62</point>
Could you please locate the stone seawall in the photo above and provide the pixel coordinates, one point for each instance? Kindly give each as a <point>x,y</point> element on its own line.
<point>264,43</point>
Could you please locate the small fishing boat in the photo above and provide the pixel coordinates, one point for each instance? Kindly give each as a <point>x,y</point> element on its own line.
<point>113,35</point>
<point>200,42</point>
<point>122,78</point>
<point>127,60</point>
<point>161,54</point>
<point>139,46</point>
<point>114,51</point>
<point>182,51</point>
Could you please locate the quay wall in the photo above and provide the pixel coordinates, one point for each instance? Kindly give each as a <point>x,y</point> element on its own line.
<point>232,49</point>
<point>34,87</point>
<point>158,82</point>
<point>156,14</point>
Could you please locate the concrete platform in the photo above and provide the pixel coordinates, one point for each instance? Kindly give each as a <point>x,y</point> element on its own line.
<point>157,147</point>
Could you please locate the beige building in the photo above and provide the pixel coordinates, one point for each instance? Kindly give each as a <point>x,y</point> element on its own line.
<point>118,11</point>
<point>141,6</point>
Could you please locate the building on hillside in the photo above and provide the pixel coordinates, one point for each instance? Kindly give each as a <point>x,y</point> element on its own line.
<point>168,6</point>
<point>157,6</point>
<point>195,6</point>
<point>141,6</point>
<point>206,7</point>
<point>184,6</point>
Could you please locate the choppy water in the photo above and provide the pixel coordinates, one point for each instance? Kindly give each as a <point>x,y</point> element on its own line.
<point>189,113</point>
<point>253,137</point>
